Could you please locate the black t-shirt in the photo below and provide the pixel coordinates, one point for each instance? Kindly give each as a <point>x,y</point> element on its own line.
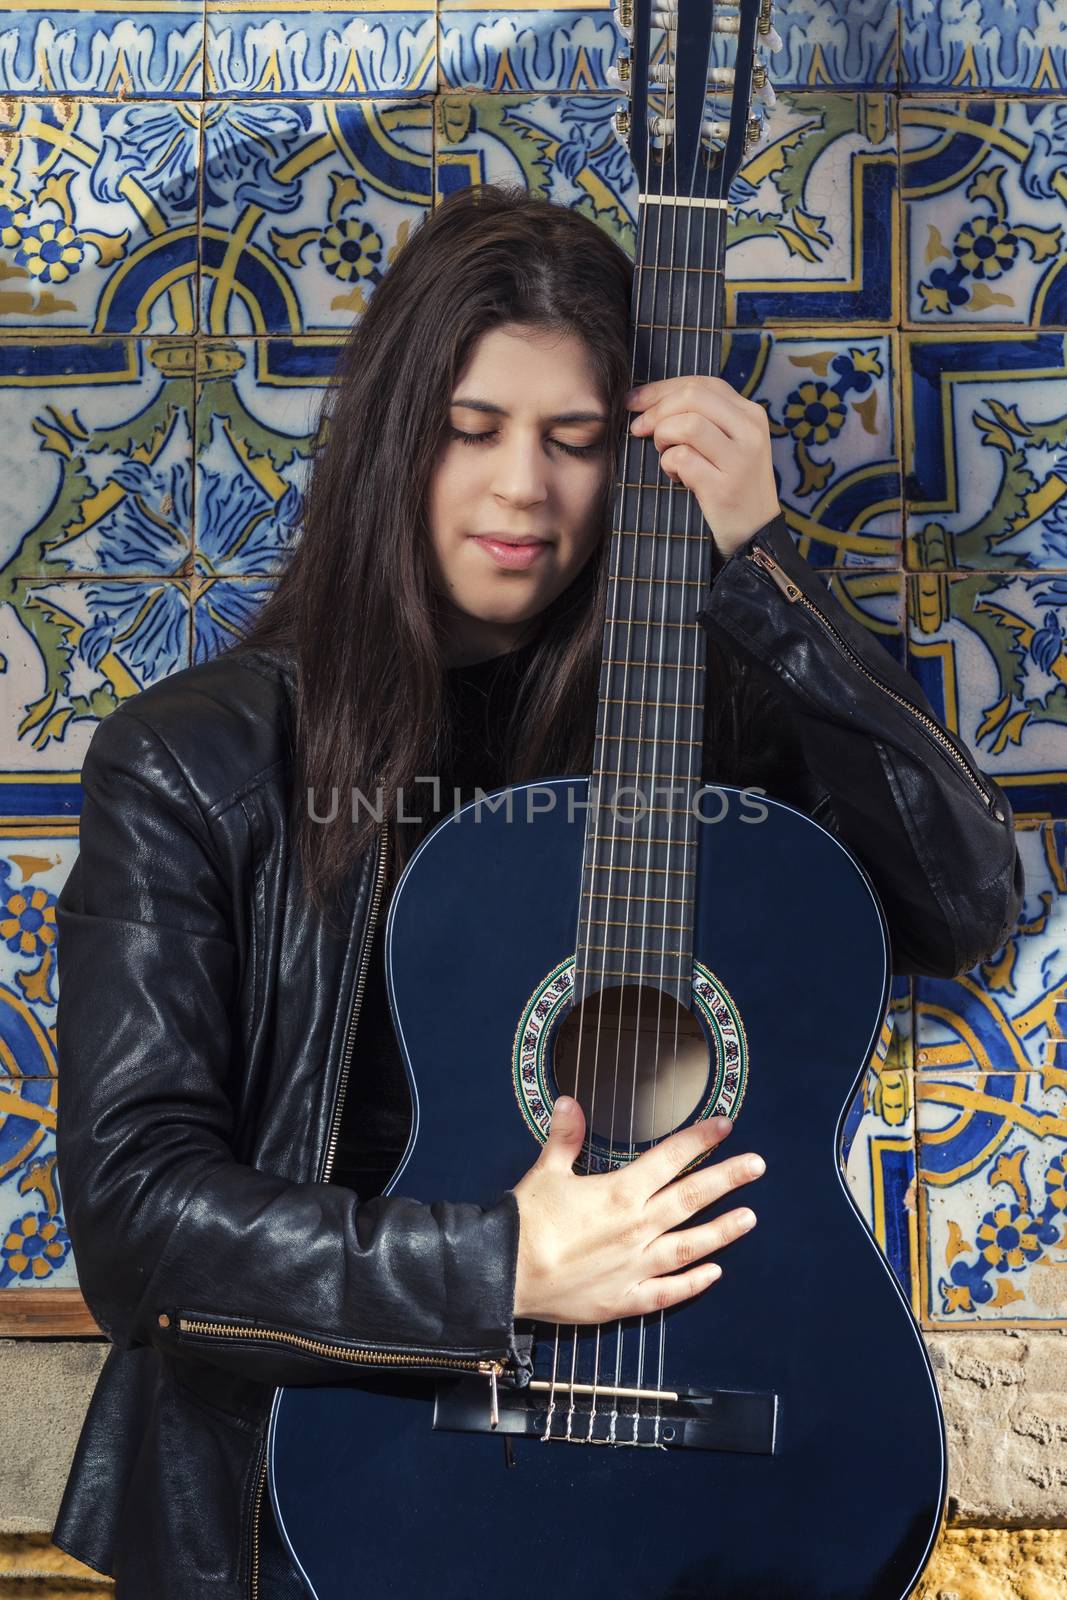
<point>376,1115</point>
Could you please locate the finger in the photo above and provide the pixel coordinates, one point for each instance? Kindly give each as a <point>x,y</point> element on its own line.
<point>700,433</point>
<point>665,1160</point>
<point>695,1190</point>
<point>656,1294</point>
<point>683,1246</point>
<point>565,1134</point>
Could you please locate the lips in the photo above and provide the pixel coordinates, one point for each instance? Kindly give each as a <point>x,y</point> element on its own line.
<point>508,552</point>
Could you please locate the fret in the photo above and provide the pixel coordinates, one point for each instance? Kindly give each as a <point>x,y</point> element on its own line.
<point>627,922</point>
<point>636,702</point>
<point>651,954</point>
<point>659,872</point>
<point>664,580</point>
<point>635,622</point>
<point>638,839</point>
<point>638,899</point>
<point>632,738</point>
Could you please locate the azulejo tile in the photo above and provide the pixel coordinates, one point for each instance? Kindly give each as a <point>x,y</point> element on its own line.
<point>222,611</point>
<point>305,206</point>
<point>878,1142</point>
<point>1007,1015</point>
<point>877,600</point>
<point>98,216</point>
<point>106,427</point>
<point>533,47</point>
<point>563,148</point>
<point>984,429</point>
<point>993,1197</point>
<point>386,47</point>
<point>831,400</point>
<point>73,650</point>
<point>813,232</point>
<point>258,405</point>
<point>34,1246</point>
<point>983,211</point>
<point>992,45</point>
<point>838,43</point>
<point>988,650</point>
<point>67,48</point>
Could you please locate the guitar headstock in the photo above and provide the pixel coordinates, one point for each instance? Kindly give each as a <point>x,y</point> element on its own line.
<point>699,92</point>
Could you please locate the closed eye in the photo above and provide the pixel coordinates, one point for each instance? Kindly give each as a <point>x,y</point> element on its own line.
<point>480,438</point>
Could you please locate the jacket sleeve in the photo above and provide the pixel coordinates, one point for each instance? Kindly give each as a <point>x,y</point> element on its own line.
<point>167,1226</point>
<point>842,731</point>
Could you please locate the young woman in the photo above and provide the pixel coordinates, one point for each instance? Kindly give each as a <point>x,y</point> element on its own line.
<point>232,1099</point>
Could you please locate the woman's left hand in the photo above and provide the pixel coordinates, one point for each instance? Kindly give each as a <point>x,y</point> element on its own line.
<point>718,444</point>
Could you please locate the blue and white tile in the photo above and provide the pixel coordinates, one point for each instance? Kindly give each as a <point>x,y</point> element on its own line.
<point>839,44</point>
<point>984,450</point>
<point>565,50</point>
<point>813,234</point>
<point>988,650</point>
<point>1004,1015</point>
<point>878,1141</point>
<point>98,216</point>
<point>305,205</point>
<point>831,401</point>
<point>96,453</point>
<point>993,1198</point>
<point>984,44</point>
<point>223,609</point>
<point>72,651</point>
<point>306,47</point>
<point>984,215</point>
<point>34,1246</point>
<point>69,49</point>
<point>258,406</point>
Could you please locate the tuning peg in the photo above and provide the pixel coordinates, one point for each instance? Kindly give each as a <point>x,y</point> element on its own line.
<point>771,41</point>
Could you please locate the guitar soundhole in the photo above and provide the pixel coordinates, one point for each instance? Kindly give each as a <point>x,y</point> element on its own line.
<point>643,1066</point>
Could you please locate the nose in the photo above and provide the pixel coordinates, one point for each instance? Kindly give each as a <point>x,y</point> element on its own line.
<point>521,471</point>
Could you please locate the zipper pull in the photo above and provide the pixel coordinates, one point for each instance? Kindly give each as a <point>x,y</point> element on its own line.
<point>757,554</point>
<point>492,1367</point>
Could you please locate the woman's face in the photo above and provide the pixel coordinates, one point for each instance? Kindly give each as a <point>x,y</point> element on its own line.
<point>527,401</point>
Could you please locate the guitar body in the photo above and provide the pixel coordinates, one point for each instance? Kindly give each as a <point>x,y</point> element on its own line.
<point>838,1493</point>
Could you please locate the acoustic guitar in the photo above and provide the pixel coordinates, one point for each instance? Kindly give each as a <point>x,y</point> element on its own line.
<point>666,952</point>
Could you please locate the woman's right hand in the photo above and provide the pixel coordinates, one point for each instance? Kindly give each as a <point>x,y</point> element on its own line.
<point>599,1246</point>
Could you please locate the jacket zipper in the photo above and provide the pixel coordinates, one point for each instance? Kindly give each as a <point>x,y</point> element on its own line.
<point>358,1355</point>
<point>793,592</point>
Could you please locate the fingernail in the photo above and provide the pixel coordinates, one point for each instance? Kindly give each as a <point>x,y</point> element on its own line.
<point>757,1167</point>
<point>746,1219</point>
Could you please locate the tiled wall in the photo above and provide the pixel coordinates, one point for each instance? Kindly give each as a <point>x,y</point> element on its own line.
<point>195,202</point>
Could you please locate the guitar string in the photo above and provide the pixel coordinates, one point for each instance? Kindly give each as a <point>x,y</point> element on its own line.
<point>697,365</point>
<point>630,442</point>
<point>633,838</point>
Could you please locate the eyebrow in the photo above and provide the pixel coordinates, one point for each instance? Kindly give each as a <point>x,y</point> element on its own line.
<point>499,411</point>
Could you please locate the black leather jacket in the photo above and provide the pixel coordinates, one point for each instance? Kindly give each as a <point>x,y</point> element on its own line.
<point>203,1018</point>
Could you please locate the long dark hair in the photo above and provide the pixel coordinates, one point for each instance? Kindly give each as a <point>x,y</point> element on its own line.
<point>354,606</point>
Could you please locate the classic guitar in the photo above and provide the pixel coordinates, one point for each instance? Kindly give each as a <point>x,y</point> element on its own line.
<point>666,953</point>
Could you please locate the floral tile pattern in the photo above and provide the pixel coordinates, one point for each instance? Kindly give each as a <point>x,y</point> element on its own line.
<point>257,419</point>
<point>831,401</point>
<point>309,47</point>
<point>1008,1013</point>
<point>878,1141</point>
<point>838,43</point>
<point>991,1088</point>
<point>304,205</point>
<point>98,216</point>
<point>988,650</point>
<point>814,229</point>
<point>985,431</point>
<point>566,50</point>
<point>994,45</point>
<point>993,1197</point>
<point>34,1246</point>
<point>69,49</point>
<point>984,210</point>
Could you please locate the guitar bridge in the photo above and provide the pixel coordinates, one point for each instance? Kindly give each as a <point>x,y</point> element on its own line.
<point>739,1420</point>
